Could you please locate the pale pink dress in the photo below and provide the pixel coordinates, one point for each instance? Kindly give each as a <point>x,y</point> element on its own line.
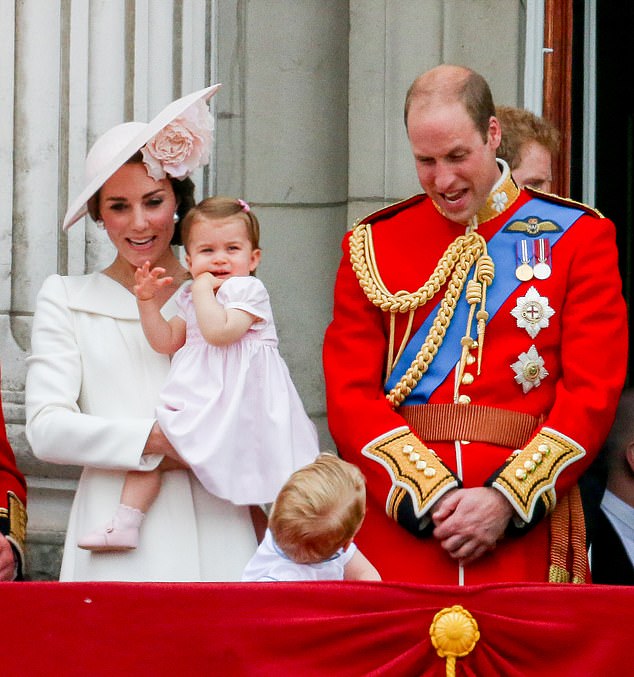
<point>232,412</point>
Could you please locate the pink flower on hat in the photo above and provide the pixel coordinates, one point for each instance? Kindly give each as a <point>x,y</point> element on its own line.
<point>181,146</point>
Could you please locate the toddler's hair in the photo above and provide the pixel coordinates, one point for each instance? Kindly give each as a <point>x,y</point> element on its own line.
<point>319,509</point>
<point>221,207</point>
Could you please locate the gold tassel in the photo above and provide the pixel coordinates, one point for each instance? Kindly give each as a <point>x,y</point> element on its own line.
<point>568,555</point>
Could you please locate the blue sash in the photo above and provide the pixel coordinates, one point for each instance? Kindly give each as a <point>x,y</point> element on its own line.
<point>501,248</point>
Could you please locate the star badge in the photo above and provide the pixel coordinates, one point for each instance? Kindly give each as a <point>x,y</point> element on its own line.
<point>529,369</point>
<point>532,312</point>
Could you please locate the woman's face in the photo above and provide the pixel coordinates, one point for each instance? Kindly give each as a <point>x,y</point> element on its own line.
<point>138,214</point>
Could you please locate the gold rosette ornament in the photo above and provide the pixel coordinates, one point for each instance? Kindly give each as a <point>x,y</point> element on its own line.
<point>454,633</point>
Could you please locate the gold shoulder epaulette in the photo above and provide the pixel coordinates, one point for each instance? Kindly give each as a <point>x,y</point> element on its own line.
<point>394,208</point>
<point>565,201</point>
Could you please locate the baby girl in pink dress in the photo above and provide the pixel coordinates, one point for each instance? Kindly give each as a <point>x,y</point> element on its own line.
<point>229,406</point>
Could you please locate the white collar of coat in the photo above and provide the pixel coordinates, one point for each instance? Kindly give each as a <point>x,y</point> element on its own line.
<point>99,294</point>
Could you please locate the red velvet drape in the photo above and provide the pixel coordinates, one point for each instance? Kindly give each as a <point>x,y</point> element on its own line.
<point>278,629</point>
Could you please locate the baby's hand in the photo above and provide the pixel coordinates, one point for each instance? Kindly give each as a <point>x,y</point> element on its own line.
<point>149,282</point>
<point>207,281</point>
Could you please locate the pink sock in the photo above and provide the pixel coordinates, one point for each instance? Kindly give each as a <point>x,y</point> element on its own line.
<point>125,517</point>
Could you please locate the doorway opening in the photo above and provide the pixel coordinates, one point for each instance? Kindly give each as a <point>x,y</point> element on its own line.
<point>614,143</point>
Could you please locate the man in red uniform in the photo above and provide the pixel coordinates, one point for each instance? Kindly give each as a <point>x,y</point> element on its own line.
<point>475,357</point>
<point>12,511</point>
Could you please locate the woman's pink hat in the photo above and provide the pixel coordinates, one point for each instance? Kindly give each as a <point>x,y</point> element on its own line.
<point>175,143</point>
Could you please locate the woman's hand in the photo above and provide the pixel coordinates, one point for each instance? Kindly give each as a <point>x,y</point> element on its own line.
<point>149,282</point>
<point>157,443</point>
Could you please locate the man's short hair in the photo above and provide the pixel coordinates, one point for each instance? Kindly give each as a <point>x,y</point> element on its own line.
<point>472,90</point>
<point>520,126</point>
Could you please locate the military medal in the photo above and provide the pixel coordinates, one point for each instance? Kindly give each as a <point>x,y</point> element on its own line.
<point>542,269</point>
<point>532,312</point>
<point>529,369</point>
<point>524,270</point>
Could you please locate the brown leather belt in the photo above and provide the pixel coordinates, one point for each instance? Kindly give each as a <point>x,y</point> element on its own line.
<point>470,422</point>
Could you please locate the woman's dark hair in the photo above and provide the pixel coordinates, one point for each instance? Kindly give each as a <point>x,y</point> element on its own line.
<point>184,192</point>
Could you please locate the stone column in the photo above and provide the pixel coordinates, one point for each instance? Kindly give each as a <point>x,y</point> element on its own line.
<point>283,146</point>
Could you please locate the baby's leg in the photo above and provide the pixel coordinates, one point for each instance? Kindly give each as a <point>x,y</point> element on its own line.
<point>140,490</point>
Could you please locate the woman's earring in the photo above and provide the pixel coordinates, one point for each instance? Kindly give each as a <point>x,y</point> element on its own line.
<point>176,218</point>
<point>100,224</point>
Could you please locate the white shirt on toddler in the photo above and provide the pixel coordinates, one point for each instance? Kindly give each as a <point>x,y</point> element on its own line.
<point>269,563</point>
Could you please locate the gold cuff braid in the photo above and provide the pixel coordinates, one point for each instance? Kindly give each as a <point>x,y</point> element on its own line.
<point>413,467</point>
<point>13,522</point>
<point>533,471</point>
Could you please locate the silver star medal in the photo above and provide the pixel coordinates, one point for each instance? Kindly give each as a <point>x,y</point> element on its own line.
<point>532,312</point>
<point>529,369</point>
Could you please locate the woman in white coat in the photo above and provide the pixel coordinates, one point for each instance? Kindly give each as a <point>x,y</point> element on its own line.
<point>93,380</point>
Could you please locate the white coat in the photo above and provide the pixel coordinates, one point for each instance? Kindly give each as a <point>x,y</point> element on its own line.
<point>91,390</point>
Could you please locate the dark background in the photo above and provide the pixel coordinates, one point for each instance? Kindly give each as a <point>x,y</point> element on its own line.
<point>614,128</point>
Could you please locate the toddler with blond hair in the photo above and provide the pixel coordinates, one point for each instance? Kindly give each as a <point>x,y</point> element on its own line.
<point>312,524</point>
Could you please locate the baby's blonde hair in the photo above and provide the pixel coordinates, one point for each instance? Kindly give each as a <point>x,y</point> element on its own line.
<point>319,509</point>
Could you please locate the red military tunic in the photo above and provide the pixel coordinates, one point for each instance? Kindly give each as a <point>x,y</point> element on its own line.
<point>12,497</point>
<point>579,347</point>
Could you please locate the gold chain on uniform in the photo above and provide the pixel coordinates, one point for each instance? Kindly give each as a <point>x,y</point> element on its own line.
<point>454,265</point>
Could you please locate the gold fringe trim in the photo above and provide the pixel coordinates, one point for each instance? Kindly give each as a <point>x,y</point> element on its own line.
<point>568,555</point>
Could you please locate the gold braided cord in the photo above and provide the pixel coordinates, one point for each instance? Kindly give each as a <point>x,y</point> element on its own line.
<point>568,555</point>
<point>410,322</point>
<point>454,265</point>
<point>559,543</point>
<point>366,270</point>
<point>485,272</point>
<point>390,351</point>
<point>391,360</point>
<point>578,537</point>
<point>476,293</point>
<point>433,341</point>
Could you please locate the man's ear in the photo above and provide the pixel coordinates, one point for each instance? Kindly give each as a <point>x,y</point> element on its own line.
<point>495,132</point>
